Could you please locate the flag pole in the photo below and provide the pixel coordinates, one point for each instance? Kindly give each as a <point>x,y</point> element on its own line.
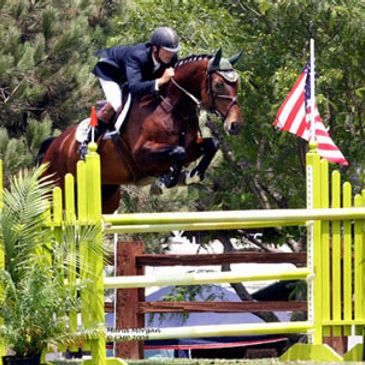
<point>313,94</point>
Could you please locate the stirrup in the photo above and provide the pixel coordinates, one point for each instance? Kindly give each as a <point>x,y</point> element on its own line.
<point>83,150</point>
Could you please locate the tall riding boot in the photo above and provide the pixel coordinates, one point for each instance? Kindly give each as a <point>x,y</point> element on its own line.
<point>105,116</point>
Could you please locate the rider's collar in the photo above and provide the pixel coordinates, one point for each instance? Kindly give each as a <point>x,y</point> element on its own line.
<point>156,64</point>
<point>225,70</point>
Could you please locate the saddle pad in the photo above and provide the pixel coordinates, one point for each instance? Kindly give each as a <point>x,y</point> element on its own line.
<point>82,130</point>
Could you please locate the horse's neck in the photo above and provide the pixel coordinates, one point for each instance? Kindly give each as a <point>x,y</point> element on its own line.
<point>190,77</point>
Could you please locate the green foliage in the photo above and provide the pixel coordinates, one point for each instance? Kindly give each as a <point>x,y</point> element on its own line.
<point>21,220</point>
<point>137,199</point>
<point>30,323</point>
<point>47,46</point>
<point>191,293</point>
<point>35,300</point>
<point>203,26</point>
<point>18,153</point>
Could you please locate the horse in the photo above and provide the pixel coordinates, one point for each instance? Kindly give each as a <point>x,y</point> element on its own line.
<point>160,136</point>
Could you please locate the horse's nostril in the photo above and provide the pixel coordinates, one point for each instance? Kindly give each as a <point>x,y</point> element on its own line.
<point>235,128</point>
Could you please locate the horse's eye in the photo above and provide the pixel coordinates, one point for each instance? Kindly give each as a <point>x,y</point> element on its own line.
<point>219,85</point>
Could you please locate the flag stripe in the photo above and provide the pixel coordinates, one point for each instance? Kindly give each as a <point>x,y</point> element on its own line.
<point>294,116</point>
<point>298,116</point>
<point>294,95</point>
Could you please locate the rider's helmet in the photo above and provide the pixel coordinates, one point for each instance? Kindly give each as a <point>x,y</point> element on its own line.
<point>166,38</point>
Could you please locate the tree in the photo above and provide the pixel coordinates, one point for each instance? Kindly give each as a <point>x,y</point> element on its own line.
<point>45,66</point>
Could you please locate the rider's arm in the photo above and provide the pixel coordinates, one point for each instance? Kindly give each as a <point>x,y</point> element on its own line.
<point>138,86</point>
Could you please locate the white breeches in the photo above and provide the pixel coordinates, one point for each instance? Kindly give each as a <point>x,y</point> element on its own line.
<point>113,93</point>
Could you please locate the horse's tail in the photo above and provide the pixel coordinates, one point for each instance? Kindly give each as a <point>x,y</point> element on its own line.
<point>43,149</point>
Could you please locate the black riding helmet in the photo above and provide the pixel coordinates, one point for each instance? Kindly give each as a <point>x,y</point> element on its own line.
<point>166,38</point>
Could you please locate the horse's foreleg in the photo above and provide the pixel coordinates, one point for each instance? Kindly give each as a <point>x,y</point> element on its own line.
<point>110,198</point>
<point>156,154</point>
<point>206,147</point>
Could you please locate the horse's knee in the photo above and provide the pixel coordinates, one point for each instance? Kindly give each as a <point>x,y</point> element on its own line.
<point>178,154</point>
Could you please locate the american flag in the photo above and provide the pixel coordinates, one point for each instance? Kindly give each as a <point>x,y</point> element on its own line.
<point>294,116</point>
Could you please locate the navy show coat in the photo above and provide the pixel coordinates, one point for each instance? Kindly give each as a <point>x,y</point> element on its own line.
<point>133,64</point>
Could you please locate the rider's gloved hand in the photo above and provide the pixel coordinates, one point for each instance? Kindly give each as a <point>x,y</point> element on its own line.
<point>167,75</point>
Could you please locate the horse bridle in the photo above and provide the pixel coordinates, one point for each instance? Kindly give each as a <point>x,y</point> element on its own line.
<point>212,104</point>
<point>212,97</point>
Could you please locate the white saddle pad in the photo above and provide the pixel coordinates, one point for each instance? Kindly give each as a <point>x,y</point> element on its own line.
<point>82,130</point>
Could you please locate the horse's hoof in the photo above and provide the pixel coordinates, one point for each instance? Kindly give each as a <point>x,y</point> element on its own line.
<point>157,187</point>
<point>182,178</point>
<point>155,190</point>
<point>192,177</point>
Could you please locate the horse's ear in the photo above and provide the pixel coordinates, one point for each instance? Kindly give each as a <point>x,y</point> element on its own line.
<point>216,58</point>
<point>233,59</point>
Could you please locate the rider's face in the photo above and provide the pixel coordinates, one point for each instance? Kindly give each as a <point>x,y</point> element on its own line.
<point>163,56</point>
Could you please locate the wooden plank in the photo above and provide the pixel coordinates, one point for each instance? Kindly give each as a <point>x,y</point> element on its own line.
<point>220,259</point>
<point>220,307</point>
<point>127,299</point>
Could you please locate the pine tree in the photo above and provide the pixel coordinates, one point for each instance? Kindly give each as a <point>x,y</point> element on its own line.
<point>45,66</point>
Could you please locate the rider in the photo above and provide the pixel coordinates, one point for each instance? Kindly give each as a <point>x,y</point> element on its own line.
<point>145,67</point>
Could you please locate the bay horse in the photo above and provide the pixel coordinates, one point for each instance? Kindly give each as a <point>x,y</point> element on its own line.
<point>160,136</point>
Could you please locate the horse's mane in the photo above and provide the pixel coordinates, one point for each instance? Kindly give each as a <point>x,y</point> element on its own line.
<point>192,58</point>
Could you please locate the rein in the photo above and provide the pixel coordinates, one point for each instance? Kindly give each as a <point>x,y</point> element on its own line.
<point>187,93</point>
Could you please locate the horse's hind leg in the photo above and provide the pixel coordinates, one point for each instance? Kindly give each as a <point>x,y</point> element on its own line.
<point>110,195</point>
<point>207,147</point>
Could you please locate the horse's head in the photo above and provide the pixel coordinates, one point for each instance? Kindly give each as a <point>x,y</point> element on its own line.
<point>212,82</point>
<point>220,95</point>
